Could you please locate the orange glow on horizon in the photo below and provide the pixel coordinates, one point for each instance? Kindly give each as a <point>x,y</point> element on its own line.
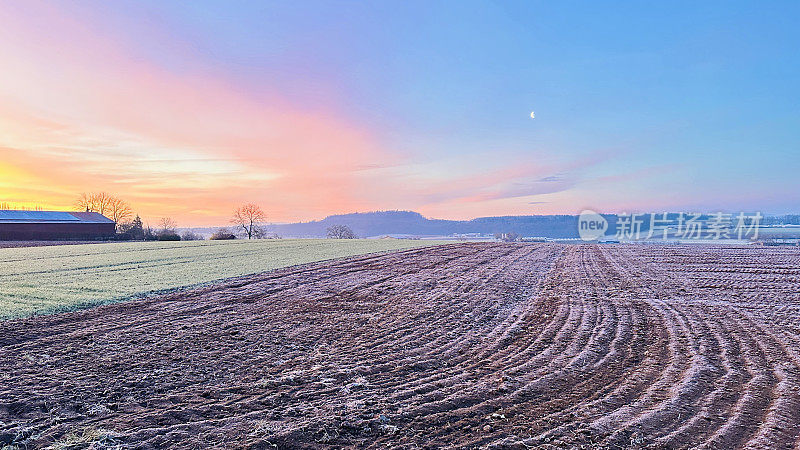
<point>87,114</point>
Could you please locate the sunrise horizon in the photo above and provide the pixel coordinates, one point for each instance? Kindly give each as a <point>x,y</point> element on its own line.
<point>190,111</point>
<point>328,224</point>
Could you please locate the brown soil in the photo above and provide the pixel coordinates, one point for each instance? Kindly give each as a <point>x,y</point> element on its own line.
<point>470,345</point>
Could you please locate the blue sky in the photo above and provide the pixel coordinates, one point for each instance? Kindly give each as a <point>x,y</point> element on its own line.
<point>639,105</point>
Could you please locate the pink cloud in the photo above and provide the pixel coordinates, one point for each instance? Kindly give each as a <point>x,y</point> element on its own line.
<point>85,113</point>
<point>70,78</point>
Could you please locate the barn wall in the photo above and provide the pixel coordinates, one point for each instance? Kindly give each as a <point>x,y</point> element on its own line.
<point>55,231</point>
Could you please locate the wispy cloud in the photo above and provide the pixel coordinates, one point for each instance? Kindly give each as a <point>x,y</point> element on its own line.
<point>105,119</point>
<point>85,113</point>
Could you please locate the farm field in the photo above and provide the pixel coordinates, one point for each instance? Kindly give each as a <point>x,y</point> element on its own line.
<point>468,345</point>
<point>63,277</point>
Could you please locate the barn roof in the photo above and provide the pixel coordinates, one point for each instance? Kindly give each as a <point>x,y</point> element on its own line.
<point>15,216</point>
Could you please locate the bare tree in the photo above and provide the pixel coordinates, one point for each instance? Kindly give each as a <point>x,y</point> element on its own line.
<point>340,232</point>
<point>106,204</point>
<point>119,210</point>
<point>248,219</point>
<point>85,202</point>
<point>167,225</point>
<point>12,206</point>
<point>98,202</point>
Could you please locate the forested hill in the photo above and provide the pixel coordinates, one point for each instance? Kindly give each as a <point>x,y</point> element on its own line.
<point>411,223</point>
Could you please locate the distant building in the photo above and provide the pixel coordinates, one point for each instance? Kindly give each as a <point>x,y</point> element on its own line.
<point>780,241</point>
<point>54,225</point>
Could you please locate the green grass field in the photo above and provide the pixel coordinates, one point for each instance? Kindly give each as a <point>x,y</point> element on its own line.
<point>40,280</point>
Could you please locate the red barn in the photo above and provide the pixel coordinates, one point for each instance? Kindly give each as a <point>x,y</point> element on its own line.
<point>54,225</point>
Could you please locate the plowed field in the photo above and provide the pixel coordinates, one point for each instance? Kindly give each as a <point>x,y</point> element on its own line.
<point>468,345</point>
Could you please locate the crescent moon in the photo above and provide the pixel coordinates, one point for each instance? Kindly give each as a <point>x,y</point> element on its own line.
<point>533,116</point>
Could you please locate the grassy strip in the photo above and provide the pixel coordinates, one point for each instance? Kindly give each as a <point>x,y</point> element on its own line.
<point>46,280</point>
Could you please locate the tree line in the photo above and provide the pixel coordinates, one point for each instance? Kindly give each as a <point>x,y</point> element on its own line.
<point>248,221</point>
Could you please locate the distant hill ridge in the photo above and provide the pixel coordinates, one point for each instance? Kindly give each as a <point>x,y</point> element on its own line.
<point>380,223</point>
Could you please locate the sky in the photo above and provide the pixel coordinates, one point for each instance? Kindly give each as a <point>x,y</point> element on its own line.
<point>189,109</point>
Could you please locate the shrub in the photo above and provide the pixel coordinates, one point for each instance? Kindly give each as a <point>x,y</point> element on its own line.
<point>169,237</point>
<point>134,229</point>
<point>222,234</point>
<point>149,234</point>
<point>190,235</point>
<point>340,232</point>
